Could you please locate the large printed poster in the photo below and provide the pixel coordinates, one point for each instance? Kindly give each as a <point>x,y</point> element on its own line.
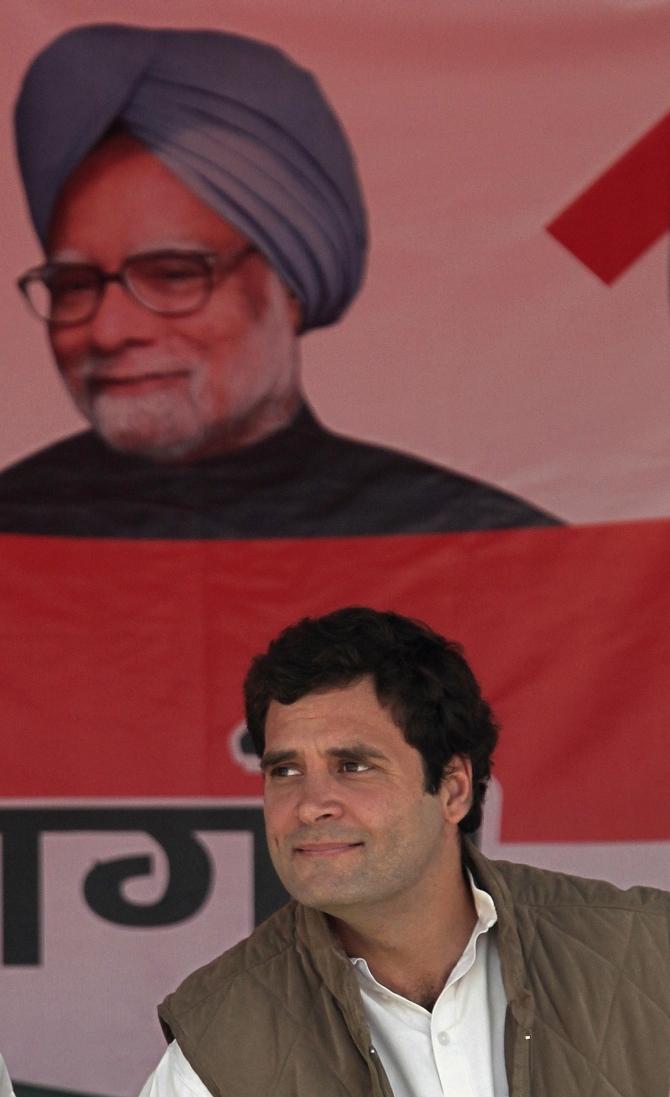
<point>512,327</point>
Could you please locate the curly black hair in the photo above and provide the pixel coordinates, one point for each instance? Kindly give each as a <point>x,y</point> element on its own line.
<point>420,677</point>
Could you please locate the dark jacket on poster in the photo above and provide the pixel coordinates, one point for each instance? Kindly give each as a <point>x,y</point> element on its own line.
<point>302,481</point>
<point>586,971</point>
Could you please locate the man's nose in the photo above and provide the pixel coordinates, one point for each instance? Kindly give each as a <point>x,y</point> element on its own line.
<point>120,320</point>
<point>319,799</point>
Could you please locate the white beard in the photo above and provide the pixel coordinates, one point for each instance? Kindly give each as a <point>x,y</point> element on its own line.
<point>162,426</point>
<point>206,405</point>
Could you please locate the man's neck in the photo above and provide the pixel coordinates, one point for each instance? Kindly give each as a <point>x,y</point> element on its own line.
<point>231,437</point>
<point>413,951</point>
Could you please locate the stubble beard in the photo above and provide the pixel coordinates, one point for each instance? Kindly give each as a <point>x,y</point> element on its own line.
<point>324,889</point>
<point>378,875</point>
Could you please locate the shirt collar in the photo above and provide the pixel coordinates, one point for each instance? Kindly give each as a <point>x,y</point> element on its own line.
<point>486,918</point>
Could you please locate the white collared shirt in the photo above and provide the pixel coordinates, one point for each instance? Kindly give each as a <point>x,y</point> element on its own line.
<point>5,1081</point>
<point>455,1051</point>
<point>458,1048</point>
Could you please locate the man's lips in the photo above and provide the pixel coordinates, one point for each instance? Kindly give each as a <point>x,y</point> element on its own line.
<point>135,382</point>
<point>325,849</point>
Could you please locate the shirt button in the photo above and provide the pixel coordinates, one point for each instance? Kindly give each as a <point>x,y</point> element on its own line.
<point>442,1038</point>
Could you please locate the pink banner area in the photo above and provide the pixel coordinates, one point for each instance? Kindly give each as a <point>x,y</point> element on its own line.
<point>479,340</point>
<point>513,327</point>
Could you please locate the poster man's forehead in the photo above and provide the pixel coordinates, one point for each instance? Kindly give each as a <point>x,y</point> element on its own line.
<point>243,126</point>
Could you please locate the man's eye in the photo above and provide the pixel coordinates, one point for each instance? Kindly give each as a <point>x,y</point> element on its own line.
<point>285,770</point>
<point>168,270</point>
<point>67,282</point>
<point>355,767</point>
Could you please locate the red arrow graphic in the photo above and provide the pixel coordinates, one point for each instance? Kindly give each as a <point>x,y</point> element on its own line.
<point>619,216</point>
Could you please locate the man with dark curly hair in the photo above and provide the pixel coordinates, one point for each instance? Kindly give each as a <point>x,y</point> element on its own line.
<point>408,963</point>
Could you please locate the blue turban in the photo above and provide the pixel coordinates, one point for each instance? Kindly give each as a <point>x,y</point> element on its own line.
<point>239,123</point>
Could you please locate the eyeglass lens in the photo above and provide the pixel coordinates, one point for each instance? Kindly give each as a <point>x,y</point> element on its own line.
<point>168,282</point>
<point>165,282</point>
<point>63,294</point>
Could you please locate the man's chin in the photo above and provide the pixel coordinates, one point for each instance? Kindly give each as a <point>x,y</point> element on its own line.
<point>328,896</point>
<point>155,440</point>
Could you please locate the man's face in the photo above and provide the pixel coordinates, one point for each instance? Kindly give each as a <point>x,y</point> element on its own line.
<point>169,387</point>
<point>349,823</point>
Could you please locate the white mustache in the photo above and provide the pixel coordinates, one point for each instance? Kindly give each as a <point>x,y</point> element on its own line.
<point>98,367</point>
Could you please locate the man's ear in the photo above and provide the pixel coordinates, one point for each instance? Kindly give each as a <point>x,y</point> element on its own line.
<point>455,789</point>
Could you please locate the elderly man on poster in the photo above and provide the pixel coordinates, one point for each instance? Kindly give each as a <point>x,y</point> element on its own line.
<point>199,208</point>
<point>409,964</point>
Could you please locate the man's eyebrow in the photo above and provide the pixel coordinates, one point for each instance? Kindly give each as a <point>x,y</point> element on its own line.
<point>357,751</point>
<point>171,243</point>
<point>68,255</point>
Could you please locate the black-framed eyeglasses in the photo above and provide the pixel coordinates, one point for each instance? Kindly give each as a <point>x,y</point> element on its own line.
<point>172,283</point>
